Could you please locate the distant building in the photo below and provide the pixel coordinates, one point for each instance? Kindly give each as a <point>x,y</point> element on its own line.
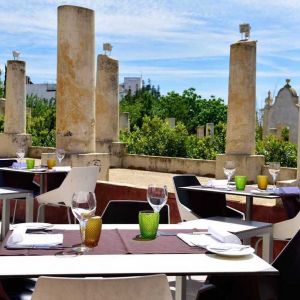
<point>48,91</point>
<point>283,113</point>
<point>132,84</point>
<point>42,90</point>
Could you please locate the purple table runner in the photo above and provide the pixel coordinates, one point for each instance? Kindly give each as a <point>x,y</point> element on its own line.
<point>115,241</point>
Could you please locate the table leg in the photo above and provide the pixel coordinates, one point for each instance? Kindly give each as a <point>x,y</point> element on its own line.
<point>267,247</point>
<point>5,217</point>
<point>29,208</point>
<point>43,189</point>
<point>180,293</point>
<point>249,205</point>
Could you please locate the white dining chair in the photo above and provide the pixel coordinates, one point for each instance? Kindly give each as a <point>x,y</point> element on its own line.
<point>284,230</point>
<point>150,287</point>
<point>78,179</point>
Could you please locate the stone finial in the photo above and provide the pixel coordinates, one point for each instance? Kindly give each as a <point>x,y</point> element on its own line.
<point>288,82</point>
<point>16,54</point>
<point>107,47</point>
<point>245,31</point>
<point>269,99</point>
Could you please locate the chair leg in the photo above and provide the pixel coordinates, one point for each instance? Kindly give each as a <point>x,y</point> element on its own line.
<point>15,209</point>
<point>38,212</point>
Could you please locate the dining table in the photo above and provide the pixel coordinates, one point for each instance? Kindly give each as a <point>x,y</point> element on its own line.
<point>121,252</point>
<point>7,194</point>
<point>43,172</point>
<point>250,192</point>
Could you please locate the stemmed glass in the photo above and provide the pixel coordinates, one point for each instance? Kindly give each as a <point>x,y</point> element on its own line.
<point>20,155</point>
<point>229,170</point>
<point>83,207</point>
<point>157,196</point>
<point>60,154</point>
<point>274,169</point>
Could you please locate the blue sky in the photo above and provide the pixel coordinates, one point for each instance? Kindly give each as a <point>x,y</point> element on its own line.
<point>178,44</point>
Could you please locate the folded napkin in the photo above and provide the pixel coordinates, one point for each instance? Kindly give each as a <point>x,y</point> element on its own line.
<point>214,235</point>
<point>222,235</point>
<point>62,168</point>
<point>19,165</point>
<point>20,239</point>
<point>290,199</point>
<point>216,183</point>
<point>287,191</point>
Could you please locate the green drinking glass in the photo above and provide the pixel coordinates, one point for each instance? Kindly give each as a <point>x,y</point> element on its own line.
<point>148,222</point>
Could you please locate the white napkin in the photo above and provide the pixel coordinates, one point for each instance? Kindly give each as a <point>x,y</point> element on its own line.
<point>223,236</point>
<point>19,165</point>
<point>215,235</point>
<point>20,239</point>
<point>62,168</point>
<point>221,184</point>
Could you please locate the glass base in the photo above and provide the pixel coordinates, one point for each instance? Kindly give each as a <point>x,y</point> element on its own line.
<point>81,249</point>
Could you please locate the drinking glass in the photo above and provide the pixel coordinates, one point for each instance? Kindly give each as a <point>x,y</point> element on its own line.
<point>157,196</point>
<point>20,155</point>
<point>274,169</point>
<point>229,170</point>
<point>60,154</point>
<point>83,207</point>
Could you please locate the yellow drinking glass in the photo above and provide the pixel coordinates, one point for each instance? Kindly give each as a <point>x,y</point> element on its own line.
<point>92,231</point>
<point>51,162</point>
<point>262,182</point>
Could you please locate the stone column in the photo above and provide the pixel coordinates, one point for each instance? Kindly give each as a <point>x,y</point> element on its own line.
<point>241,116</point>
<point>124,121</point>
<point>210,129</point>
<point>15,106</point>
<point>171,122</point>
<point>200,131</point>
<point>75,95</point>
<point>240,134</point>
<point>107,102</point>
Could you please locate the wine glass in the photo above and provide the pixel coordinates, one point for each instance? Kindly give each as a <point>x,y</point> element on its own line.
<point>60,154</point>
<point>20,155</point>
<point>229,170</point>
<point>83,207</point>
<point>157,196</point>
<point>274,169</point>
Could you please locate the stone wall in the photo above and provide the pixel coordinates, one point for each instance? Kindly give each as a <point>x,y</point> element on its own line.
<point>169,164</point>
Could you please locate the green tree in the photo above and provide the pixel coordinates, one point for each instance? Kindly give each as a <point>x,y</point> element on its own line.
<point>278,150</point>
<point>156,137</point>
<point>41,121</point>
<point>2,89</point>
<point>191,109</point>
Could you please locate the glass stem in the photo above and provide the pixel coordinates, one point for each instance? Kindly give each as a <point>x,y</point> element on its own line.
<point>82,225</point>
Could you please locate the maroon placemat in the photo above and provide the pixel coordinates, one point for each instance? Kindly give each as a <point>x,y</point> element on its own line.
<point>115,241</point>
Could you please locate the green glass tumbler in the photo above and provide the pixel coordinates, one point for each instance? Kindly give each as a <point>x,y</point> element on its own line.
<point>30,163</point>
<point>148,222</point>
<point>240,182</point>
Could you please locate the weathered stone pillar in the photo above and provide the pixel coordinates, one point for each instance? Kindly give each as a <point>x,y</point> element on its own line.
<point>241,116</point>
<point>15,106</point>
<point>107,103</point>
<point>240,134</point>
<point>75,95</point>
<point>124,121</point>
<point>14,135</point>
<point>210,129</point>
<point>200,131</point>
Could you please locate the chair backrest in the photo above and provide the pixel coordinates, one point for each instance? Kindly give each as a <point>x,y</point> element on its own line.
<point>288,265</point>
<point>286,229</point>
<point>192,204</point>
<point>5,162</point>
<point>78,179</point>
<point>151,287</point>
<point>127,211</point>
